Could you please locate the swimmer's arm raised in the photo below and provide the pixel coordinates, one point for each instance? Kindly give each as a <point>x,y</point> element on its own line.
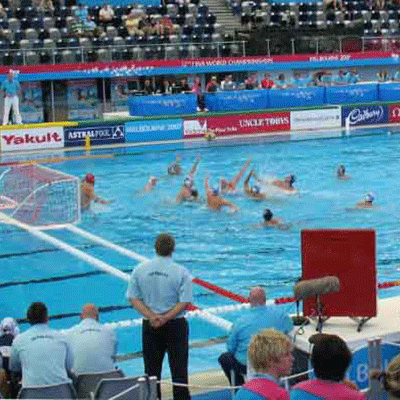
<point>194,168</point>
<point>237,178</point>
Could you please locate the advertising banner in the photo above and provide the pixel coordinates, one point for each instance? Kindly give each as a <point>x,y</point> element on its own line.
<point>316,119</point>
<point>119,94</point>
<point>32,139</point>
<point>105,134</point>
<point>237,100</point>
<point>83,102</point>
<point>297,97</point>
<point>389,91</point>
<point>352,94</point>
<point>172,104</point>
<point>153,130</point>
<point>394,113</point>
<point>365,115</point>
<point>237,124</point>
<point>31,103</point>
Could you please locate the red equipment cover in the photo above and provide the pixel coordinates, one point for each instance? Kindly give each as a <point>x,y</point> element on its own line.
<point>349,255</point>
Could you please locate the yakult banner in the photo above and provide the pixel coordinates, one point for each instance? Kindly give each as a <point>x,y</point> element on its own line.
<point>32,139</point>
<point>365,115</point>
<point>316,119</point>
<point>237,124</point>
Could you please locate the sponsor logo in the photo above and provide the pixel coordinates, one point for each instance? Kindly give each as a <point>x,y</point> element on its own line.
<point>194,127</point>
<point>394,113</point>
<point>143,127</point>
<point>259,122</point>
<point>98,135</point>
<point>316,119</point>
<point>365,115</point>
<point>32,139</point>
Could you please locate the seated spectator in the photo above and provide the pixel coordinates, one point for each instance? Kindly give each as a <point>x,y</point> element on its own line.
<point>147,25</point>
<point>340,79</point>
<point>396,76</point>
<point>165,87</point>
<point>81,13</point>
<point>148,88</point>
<point>212,85</point>
<point>330,359</point>
<point>325,79</point>
<point>93,345</point>
<point>167,25</point>
<point>280,83</point>
<point>390,378</point>
<point>184,86</point>
<point>106,14</point>
<point>251,82</point>
<point>258,317</point>
<point>333,5</point>
<point>383,76</point>
<point>227,83</point>
<point>352,76</point>
<point>132,22</point>
<point>3,13</point>
<point>42,354</point>
<point>270,354</point>
<point>9,330</point>
<point>297,81</point>
<point>267,82</point>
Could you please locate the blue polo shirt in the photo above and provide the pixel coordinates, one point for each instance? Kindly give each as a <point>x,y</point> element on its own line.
<point>256,319</point>
<point>10,87</point>
<point>43,355</point>
<point>352,78</point>
<point>93,346</point>
<point>160,284</point>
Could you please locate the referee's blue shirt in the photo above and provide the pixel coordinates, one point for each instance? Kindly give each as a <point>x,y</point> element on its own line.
<point>10,87</point>
<point>43,355</point>
<point>160,284</point>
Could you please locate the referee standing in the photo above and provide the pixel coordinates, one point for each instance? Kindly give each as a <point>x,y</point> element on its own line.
<point>161,290</point>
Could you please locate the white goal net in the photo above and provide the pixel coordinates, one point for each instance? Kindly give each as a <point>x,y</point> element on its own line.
<point>40,196</point>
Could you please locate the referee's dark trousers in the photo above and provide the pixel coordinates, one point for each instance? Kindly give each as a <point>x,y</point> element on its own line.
<point>173,338</point>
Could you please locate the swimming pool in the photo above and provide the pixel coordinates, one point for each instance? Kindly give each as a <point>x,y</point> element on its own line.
<point>219,247</point>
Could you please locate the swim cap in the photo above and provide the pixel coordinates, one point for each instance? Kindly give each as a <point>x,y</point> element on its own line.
<point>369,198</point>
<point>215,190</point>
<point>194,192</point>
<point>268,215</point>
<point>9,325</point>
<point>152,179</point>
<point>255,189</point>
<point>89,178</point>
<point>292,179</point>
<point>188,182</point>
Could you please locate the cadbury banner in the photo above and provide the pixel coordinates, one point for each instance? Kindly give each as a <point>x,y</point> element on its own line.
<point>32,139</point>
<point>103,134</point>
<point>237,124</point>
<point>365,115</point>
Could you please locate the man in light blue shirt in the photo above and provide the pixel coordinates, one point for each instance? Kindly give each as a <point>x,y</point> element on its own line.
<point>11,89</point>
<point>93,344</point>
<point>161,290</point>
<point>42,354</point>
<point>260,316</point>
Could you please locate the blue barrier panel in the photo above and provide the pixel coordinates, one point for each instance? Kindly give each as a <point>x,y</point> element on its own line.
<point>299,97</point>
<point>358,371</point>
<point>365,115</point>
<point>173,104</point>
<point>360,93</point>
<point>389,91</point>
<point>237,100</point>
<point>153,130</point>
<point>114,3</point>
<point>102,134</point>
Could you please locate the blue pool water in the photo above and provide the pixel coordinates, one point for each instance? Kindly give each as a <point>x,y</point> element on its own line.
<point>219,247</point>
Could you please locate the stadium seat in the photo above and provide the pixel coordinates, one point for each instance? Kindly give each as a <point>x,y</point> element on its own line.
<point>25,44</point>
<point>85,43</point>
<point>67,57</point>
<point>3,23</point>
<point>31,34</point>
<point>194,51</point>
<point>107,388</point>
<point>54,34</point>
<point>126,54</point>
<point>61,391</point>
<point>137,53</point>
<point>32,58</point>
<point>8,34</point>
<point>111,32</point>
<point>25,23</point>
<point>14,24</point>
<point>103,55</point>
<point>90,56</point>
<point>183,52</point>
<point>7,58</point>
<point>86,383</point>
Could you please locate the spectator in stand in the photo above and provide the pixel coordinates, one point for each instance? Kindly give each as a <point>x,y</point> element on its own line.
<point>148,88</point>
<point>326,79</point>
<point>227,83</point>
<point>383,76</point>
<point>9,330</point>
<point>93,345</point>
<point>251,82</point>
<point>184,86</point>
<point>352,76</point>
<point>132,22</point>
<point>297,81</point>
<point>396,76</point>
<point>280,83</point>
<point>46,6</point>
<point>167,25</point>
<point>260,316</point>
<point>106,15</point>
<point>3,13</point>
<point>267,82</point>
<point>333,4</point>
<point>330,359</point>
<point>147,25</point>
<point>340,79</point>
<point>161,290</point>
<point>197,90</point>
<point>42,354</point>
<point>270,354</point>
<point>81,12</point>
<point>212,85</point>
<point>165,87</point>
